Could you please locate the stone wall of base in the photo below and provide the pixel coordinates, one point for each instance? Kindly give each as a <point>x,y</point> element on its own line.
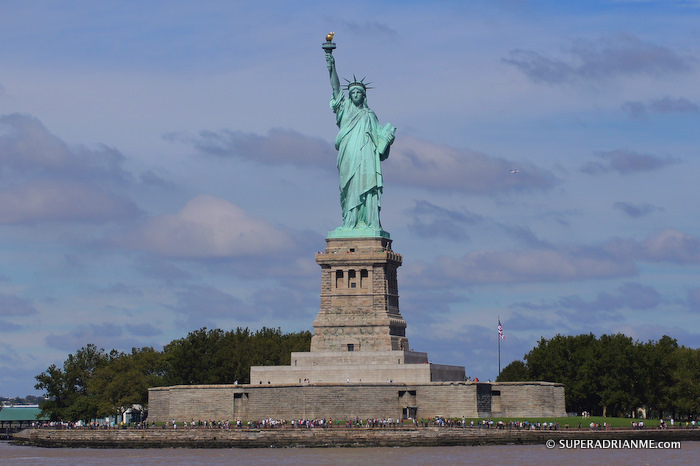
<point>336,437</point>
<point>522,399</point>
<point>355,400</point>
<point>356,373</point>
<point>159,401</point>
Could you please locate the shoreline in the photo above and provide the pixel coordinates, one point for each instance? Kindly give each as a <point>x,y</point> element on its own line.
<point>329,437</point>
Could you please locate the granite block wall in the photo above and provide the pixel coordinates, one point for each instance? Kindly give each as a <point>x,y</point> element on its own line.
<point>348,401</point>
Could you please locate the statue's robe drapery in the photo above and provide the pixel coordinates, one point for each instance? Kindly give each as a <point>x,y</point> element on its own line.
<point>361,184</point>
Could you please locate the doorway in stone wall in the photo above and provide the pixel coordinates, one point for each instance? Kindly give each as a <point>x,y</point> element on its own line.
<point>409,412</point>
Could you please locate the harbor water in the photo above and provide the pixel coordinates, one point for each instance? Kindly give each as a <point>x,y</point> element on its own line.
<point>688,453</point>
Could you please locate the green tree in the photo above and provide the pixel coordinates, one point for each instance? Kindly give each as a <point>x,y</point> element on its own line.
<point>614,375</point>
<point>516,371</point>
<point>125,379</point>
<point>562,359</point>
<point>94,384</point>
<point>234,356</point>
<point>213,356</point>
<point>685,391</point>
<point>69,397</point>
<point>193,359</point>
<point>659,363</point>
<point>615,360</point>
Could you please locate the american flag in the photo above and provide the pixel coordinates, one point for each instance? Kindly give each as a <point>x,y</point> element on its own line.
<point>500,330</point>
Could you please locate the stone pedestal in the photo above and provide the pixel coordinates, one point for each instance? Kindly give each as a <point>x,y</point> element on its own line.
<point>359,333</point>
<point>356,367</point>
<point>359,297</point>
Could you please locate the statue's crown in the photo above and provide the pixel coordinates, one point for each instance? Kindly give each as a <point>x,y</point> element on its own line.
<point>357,83</point>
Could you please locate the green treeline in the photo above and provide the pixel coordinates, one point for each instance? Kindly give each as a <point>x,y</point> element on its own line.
<point>19,400</point>
<point>616,376</point>
<point>94,384</point>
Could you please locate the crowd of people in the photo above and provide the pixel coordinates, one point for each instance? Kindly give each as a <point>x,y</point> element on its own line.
<point>389,423</point>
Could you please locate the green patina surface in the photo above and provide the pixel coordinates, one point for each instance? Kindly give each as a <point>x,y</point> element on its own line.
<point>362,145</point>
<point>358,233</point>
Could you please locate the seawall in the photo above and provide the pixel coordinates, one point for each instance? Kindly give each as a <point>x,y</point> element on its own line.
<point>328,437</point>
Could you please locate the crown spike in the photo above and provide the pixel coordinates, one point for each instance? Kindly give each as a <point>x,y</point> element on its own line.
<point>357,83</point>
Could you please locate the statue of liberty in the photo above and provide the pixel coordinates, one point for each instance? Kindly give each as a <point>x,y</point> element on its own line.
<point>362,144</point>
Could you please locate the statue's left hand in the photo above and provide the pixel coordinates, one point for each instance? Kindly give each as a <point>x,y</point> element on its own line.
<point>391,135</point>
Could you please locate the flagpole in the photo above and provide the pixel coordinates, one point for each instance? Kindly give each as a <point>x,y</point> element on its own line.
<point>498,337</point>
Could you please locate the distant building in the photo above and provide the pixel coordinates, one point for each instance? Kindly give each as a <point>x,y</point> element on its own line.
<point>20,415</point>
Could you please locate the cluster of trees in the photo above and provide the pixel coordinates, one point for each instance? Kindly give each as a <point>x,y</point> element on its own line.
<point>614,375</point>
<point>94,384</point>
<point>18,400</point>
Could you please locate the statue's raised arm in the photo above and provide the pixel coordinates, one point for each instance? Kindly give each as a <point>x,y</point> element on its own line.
<point>335,81</point>
<point>328,47</point>
<point>362,144</point>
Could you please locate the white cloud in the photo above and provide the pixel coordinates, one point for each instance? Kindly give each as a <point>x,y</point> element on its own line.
<point>11,305</point>
<point>673,246</point>
<point>278,147</point>
<point>607,57</point>
<point>535,265</point>
<point>46,180</point>
<point>626,162</point>
<point>62,201</point>
<point>422,164</point>
<point>28,149</point>
<point>208,227</point>
<point>629,295</point>
<point>636,210</point>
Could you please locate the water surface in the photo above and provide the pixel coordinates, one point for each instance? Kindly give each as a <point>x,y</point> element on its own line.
<point>500,454</point>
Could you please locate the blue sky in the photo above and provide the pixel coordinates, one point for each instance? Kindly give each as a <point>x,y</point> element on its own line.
<point>166,166</point>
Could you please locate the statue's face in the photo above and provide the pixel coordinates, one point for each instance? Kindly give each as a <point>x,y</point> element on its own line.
<point>357,96</point>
